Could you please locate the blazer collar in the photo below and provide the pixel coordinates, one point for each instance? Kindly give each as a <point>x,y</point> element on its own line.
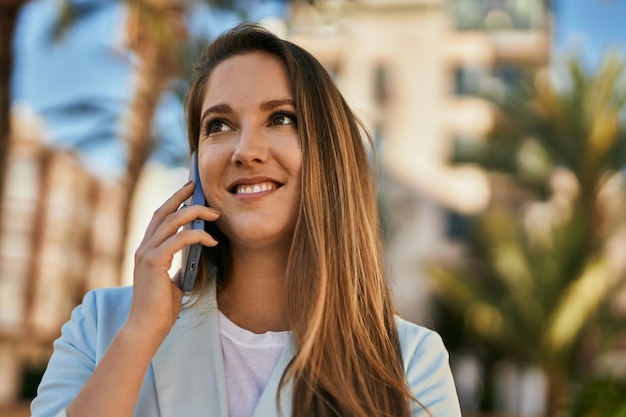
<point>189,368</point>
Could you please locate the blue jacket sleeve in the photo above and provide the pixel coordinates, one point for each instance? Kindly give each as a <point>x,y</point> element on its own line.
<point>83,341</point>
<point>71,364</point>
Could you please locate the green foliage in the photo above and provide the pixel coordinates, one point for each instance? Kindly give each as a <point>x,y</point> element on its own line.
<point>512,285</point>
<point>536,275</point>
<point>598,397</point>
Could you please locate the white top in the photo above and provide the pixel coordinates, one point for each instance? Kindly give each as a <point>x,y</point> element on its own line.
<point>249,360</point>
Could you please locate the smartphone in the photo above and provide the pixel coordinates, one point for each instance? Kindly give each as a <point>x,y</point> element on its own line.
<point>191,254</point>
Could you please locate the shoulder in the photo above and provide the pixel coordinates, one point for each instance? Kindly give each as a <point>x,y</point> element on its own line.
<point>427,367</point>
<point>418,340</point>
<point>114,301</point>
<point>112,294</point>
<point>102,311</point>
<point>96,321</point>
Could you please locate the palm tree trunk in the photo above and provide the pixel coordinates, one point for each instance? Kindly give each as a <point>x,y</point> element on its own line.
<point>557,389</point>
<point>155,53</point>
<point>151,82</point>
<point>8,15</point>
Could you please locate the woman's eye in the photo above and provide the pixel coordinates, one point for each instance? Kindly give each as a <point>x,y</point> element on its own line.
<point>215,126</point>
<point>283,119</point>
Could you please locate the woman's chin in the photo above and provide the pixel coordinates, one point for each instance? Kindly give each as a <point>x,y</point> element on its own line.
<point>261,238</point>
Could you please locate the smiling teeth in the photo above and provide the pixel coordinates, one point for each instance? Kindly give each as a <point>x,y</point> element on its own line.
<point>257,188</point>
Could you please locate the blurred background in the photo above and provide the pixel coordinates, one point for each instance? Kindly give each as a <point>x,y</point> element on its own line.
<point>499,130</point>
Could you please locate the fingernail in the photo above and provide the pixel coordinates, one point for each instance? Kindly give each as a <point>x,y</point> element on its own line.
<point>187,183</point>
<point>215,211</point>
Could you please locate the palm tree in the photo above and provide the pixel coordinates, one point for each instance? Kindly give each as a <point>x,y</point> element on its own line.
<point>538,272</point>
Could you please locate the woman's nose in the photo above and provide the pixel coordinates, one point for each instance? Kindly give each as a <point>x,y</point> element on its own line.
<point>251,149</point>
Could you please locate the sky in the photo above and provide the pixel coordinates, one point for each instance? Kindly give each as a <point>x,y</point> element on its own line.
<point>591,26</point>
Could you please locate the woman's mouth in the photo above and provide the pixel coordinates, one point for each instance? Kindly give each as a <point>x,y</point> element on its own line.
<point>255,188</point>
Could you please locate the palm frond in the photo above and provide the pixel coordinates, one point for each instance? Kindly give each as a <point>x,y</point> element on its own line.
<point>66,18</point>
<point>581,299</point>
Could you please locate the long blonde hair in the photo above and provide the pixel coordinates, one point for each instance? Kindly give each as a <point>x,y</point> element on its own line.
<point>348,360</point>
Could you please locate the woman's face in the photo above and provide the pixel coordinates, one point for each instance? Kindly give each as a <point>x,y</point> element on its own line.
<point>248,151</point>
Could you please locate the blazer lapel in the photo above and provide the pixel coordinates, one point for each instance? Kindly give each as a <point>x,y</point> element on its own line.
<point>267,405</point>
<point>189,366</point>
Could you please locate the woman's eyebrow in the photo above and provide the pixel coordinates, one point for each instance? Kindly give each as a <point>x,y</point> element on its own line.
<point>272,104</point>
<point>218,108</point>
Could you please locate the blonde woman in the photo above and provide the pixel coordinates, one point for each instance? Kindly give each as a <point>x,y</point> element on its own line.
<point>291,314</point>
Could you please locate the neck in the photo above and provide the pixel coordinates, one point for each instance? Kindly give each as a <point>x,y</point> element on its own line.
<point>252,296</point>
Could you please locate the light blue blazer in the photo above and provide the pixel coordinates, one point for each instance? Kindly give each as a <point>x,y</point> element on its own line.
<point>186,377</point>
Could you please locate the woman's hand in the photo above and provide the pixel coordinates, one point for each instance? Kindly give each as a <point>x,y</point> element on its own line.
<point>157,297</point>
<point>114,386</point>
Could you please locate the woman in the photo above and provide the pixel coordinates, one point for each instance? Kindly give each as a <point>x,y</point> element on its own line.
<point>291,314</point>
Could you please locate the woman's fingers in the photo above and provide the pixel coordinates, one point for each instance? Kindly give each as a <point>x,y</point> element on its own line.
<point>163,253</point>
<point>171,205</point>
<point>174,221</point>
<point>168,218</point>
<point>165,235</point>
